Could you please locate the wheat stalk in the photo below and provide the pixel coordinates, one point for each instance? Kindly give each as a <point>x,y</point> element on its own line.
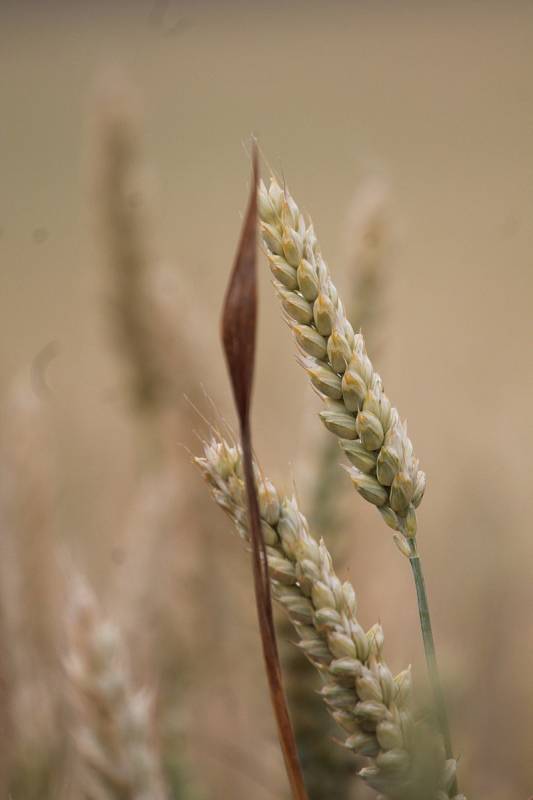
<point>372,706</point>
<point>114,736</point>
<point>385,471</point>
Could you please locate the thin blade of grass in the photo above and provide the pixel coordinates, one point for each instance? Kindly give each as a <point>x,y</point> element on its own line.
<point>239,323</point>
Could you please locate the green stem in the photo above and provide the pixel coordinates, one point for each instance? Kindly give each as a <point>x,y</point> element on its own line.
<point>431,657</point>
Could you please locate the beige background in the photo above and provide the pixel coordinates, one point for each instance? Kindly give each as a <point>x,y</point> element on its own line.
<point>438,98</point>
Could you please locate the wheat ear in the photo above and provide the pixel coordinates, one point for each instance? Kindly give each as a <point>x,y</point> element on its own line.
<point>385,471</point>
<point>114,737</point>
<point>372,706</point>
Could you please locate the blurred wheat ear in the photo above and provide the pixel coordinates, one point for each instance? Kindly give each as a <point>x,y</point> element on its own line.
<point>114,732</point>
<point>122,190</point>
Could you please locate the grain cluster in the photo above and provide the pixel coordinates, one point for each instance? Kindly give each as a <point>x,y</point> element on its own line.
<point>384,468</point>
<point>373,706</point>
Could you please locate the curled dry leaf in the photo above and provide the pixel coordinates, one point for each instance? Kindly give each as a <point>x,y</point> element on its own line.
<point>239,322</point>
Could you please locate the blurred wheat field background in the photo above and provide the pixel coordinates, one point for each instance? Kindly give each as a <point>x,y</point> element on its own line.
<point>434,99</point>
